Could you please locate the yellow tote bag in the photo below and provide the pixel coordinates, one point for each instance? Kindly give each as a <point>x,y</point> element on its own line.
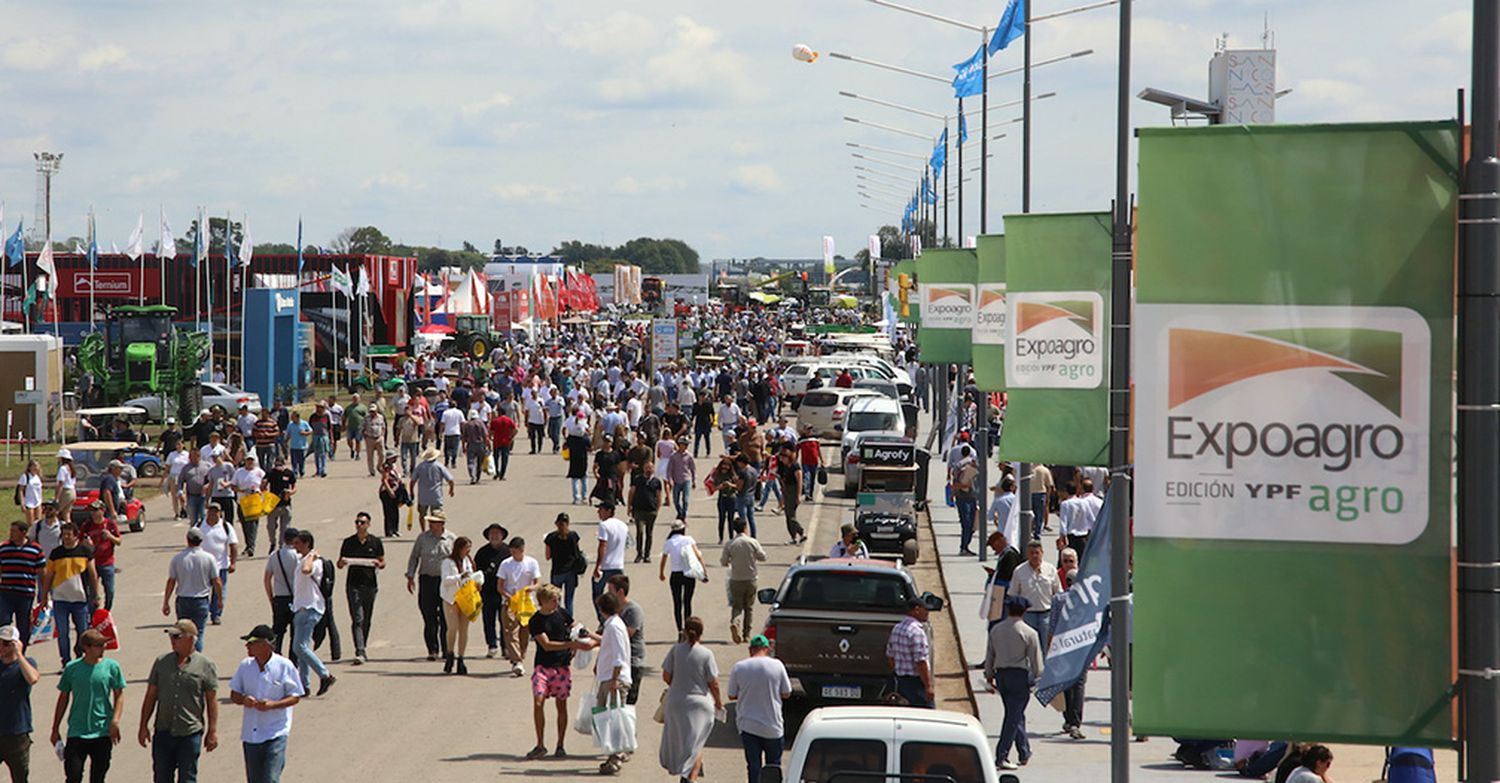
<point>523,606</point>
<point>257,504</point>
<point>468,601</point>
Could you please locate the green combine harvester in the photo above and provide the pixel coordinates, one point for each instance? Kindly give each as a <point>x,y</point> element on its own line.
<point>141,351</point>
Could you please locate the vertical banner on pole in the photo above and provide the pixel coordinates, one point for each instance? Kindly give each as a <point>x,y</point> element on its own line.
<point>908,305</point>
<point>990,314</point>
<point>1294,344</point>
<point>947,296</point>
<point>1057,279</point>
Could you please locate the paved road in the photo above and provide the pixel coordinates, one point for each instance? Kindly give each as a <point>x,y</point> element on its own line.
<point>399,717</point>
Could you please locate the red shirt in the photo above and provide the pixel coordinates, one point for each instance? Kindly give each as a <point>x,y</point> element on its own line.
<point>104,548</point>
<point>502,431</point>
<point>810,450</point>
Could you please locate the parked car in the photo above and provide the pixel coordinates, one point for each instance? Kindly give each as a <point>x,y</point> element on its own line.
<point>221,395</point>
<point>824,409</point>
<point>878,415</point>
<point>830,620</point>
<point>849,744</point>
<point>796,380</point>
<point>90,462</point>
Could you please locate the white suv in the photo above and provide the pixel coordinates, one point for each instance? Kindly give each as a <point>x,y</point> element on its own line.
<point>825,409</point>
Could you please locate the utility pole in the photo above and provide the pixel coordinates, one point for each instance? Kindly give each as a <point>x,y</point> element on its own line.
<point>1119,427</point>
<point>1479,412</point>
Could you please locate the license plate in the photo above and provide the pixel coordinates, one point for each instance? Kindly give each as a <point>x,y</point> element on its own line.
<point>841,691</point>
<point>885,535</point>
<point>886,529</point>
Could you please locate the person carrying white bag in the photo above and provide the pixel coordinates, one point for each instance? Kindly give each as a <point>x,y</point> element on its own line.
<point>613,719</point>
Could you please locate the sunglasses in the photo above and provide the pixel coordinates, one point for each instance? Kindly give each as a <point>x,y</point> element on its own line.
<point>361,521</point>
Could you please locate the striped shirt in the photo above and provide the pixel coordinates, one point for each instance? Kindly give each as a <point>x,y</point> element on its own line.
<point>908,645</point>
<point>20,565</point>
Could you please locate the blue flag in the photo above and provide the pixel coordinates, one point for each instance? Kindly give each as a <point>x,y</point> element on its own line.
<point>1080,617</point>
<point>299,246</point>
<point>93,248</point>
<point>1012,26</point>
<point>230,257</point>
<point>969,75</point>
<point>928,194</point>
<point>963,126</point>
<point>940,155</point>
<point>15,247</point>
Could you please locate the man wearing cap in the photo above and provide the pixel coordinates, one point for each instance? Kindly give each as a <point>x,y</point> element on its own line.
<point>112,490</point>
<point>194,575</point>
<point>742,555</point>
<point>758,685</point>
<point>68,581</point>
<point>1012,664</point>
<point>267,686</point>
<point>182,691</point>
<point>476,443</point>
<point>102,535</point>
<point>424,568</point>
<point>910,655</point>
<point>21,564</point>
<point>487,561</point>
<point>280,566</point>
<point>18,675</point>
<point>610,556</point>
<point>363,554</point>
<point>426,485</point>
<point>96,687</point>
<point>849,544</point>
<point>47,531</point>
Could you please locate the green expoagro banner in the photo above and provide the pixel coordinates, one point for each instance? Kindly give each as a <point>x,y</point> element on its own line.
<point>1293,374</point>
<point>1057,338</point>
<point>947,296</point>
<point>913,307</point>
<point>990,314</point>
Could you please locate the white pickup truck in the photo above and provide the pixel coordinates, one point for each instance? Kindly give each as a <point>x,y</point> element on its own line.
<point>895,744</point>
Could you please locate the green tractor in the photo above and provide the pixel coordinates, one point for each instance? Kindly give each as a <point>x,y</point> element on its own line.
<point>141,351</point>
<point>473,336</point>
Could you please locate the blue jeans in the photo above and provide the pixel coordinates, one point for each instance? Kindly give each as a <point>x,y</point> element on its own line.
<point>299,462</point>
<point>195,609</point>
<point>747,510</point>
<point>64,614</point>
<point>265,760</point>
<point>554,432</point>
<point>409,454</point>
<point>196,514</point>
<point>809,480</point>
<point>767,489</point>
<point>107,578</point>
<point>910,686</point>
<point>680,493</point>
<point>1015,691</point>
<point>1039,515</point>
<point>703,436</point>
<point>303,623</point>
<point>450,450</point>
<point>15,609</point>
<point>320,447</point>
<point>758,748</point>
<point>569,584</point>
<point>598,586</point>
<point>968,506</point>
<point>216,604</point>
<point>1041,622</point>
<point>175,759</point>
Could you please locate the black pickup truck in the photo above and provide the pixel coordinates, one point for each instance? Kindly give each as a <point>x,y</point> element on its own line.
<point>830,621</point>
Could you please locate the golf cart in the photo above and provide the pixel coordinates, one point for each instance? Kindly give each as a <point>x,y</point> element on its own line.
<point>90,463</point>
<point>103,420</point>
<point>885,511</point>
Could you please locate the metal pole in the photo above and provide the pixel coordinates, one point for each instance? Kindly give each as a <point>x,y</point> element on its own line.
<point>982,484</point>
<point>1026,117</point>
<point>946,235</point>
<point>1119,427</point>
<point>1478,406</point>
<point>961,175</point>
<point>984,136</point>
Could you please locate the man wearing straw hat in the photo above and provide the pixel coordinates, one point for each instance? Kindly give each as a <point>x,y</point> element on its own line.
<point>426,484</point>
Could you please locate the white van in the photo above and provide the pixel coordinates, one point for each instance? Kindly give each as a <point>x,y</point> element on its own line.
<point>875,744</point>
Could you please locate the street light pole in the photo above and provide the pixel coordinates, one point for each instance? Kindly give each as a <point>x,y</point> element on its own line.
<point>1026,119</point>
<point>1119,427</point>
<point>984,132</point>
<point>960,174</point>
<point>946,235</point>
<point>1479,411</point>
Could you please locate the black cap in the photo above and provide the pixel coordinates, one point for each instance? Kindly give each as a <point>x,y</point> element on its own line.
<point>260,633</point>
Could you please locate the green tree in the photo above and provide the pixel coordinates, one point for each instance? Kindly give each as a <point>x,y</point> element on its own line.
<point>360,241</point>
<point>276,249</point>
<point>215,236</point>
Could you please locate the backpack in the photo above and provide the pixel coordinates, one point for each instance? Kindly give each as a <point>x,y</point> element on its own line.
<point>1410,765</point>
<point>325,585</point>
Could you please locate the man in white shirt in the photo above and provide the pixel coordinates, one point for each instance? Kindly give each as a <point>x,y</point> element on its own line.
<point>1077,516</point>
<point>517,573</point>
<point>176,461</point>
<point>610,557</point>
<point>307,611</point>
<point>214,448</point>
<point>634,409</point>
<point>1002,505</point>
<point>452,424</point>
<point>219,541</point>
<point>729,419</point>
<point>267,686</point>
<point>1036,580</point>
<point>758,685</point>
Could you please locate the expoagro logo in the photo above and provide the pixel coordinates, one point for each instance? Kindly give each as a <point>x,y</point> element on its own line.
<point>990,317</point>
<point>1285,423</point>
<point>948,305</point>
<point>1055,340</point>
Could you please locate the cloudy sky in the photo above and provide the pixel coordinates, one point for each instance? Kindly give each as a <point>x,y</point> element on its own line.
<point>442,121</point>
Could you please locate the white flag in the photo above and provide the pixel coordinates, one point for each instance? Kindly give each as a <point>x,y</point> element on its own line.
<point>114,249</point>
<point>133,247</point>
<point>874,246</point>
<point>247,246</point>
<point>168,249</point>
<point>77,246</point>
<point>341,281</point>
<point>44,261</point>
<point>364,282</point>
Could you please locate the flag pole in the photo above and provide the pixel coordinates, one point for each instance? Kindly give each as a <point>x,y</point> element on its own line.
<point>93,261</point>
<point>244,284</point>
<point>228,290</point>
<point>161,249</point>
<point>25,286</point>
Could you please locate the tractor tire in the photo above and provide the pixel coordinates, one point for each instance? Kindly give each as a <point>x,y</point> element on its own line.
<point>479,348</point>
<point>190,402</point>
<point>909,552</point>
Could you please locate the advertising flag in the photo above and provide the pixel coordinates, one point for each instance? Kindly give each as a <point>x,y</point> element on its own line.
<point>168,249</point>
<point>1080,617</point>
<point>340,280</point>
<point>1012,26</point>
<point>15,246</point>
<point>93,252</point>
<point>44,259</point>
<point>200,240</point>
<point>1057,280</point>
<point>828,257</point>
<point>247,247</point>
<point>963,125</point>
<point>874,246</point>
<point>1294,431</point>
<point>940,155</point>
<point>947,304</point>
<point>968,76</point>
<point>364,282</point>
<point>990,314</point>
<point>134,248</point>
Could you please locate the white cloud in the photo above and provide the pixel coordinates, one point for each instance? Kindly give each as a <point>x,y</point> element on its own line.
<point>756,178</point>
<point>630,186</point>
<point>494,101</point>
<point>526,192</point>
<point>152,181</point>
<point>619,33</point>
<point>32,54</point>
<point>392,180</point>
<point>690,65</point>
<point>103,57</point>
